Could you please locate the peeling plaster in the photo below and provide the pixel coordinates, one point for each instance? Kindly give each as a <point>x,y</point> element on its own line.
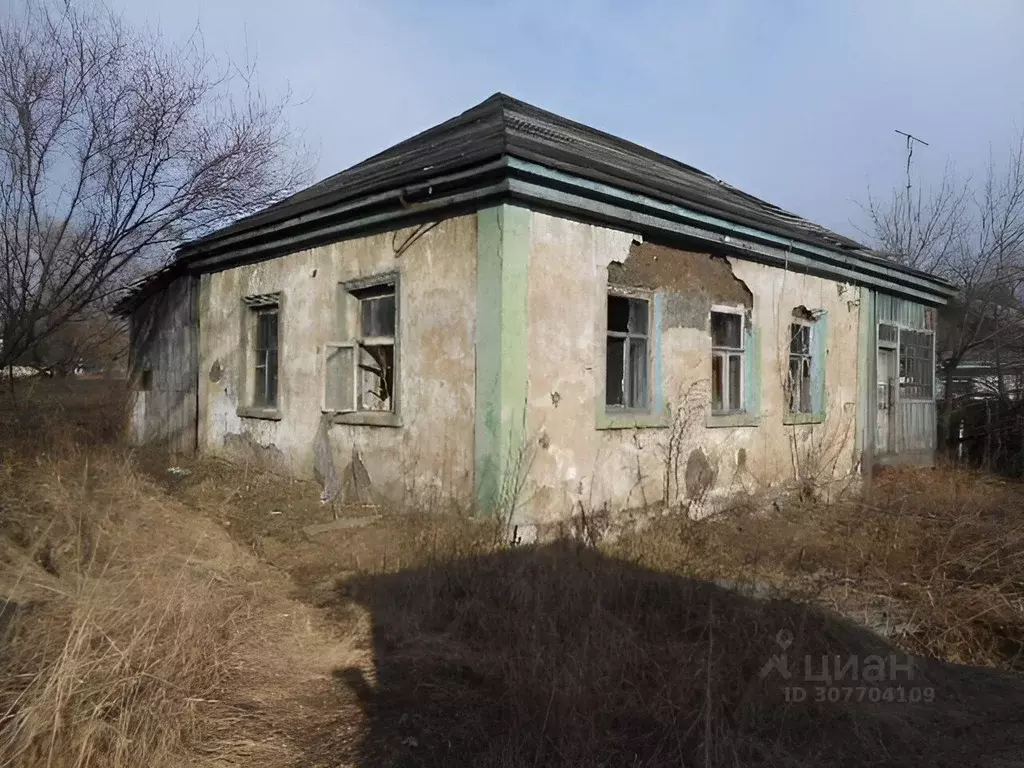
<point>571,267</point>
<point>692,282</point>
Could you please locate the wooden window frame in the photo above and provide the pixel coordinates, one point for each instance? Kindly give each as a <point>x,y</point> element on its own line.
<point>252,307</point>
<point>805,359</point>
<point>350,298</point>
<point>628,337</point>
<point>724,354</point>
<point>266,360</point>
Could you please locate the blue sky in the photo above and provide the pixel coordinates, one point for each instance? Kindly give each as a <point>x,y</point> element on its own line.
<point>792,101</point>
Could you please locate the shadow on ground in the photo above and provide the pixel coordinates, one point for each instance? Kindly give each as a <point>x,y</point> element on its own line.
<point>559,655</point>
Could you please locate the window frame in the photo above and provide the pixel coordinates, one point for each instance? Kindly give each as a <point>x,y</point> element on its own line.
<point>328,348</point>
<point>252,307</point>
<point>806,358</point>
<point>627,336</point>
<point>724,353</point>
<point>350,296</point>
<point>900,384</point>
<point>262,357</point>
<point>362,341</point>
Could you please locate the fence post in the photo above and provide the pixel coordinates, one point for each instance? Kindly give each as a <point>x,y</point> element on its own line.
<point>1020,444</point>
<point>987,461</point>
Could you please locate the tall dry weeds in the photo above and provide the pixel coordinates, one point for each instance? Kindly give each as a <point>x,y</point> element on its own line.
<point>126,622</point>
<point>934,560</point>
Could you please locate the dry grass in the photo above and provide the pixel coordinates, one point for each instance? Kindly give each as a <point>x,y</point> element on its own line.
<point>153,620</point>
<point>934,560</point>
<point>134,632</point>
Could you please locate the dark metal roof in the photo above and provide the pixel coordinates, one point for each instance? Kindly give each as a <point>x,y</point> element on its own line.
<point>505,127</point>
<point>471,156</point>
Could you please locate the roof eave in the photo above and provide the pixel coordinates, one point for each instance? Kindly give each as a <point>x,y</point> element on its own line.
<point>568,192</point>
<point>538,185</point>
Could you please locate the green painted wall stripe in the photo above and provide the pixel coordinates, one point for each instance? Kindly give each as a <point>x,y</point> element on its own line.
<point>486,469</point>
<point>503,250</point>
<point>752,371</point>
<point>866,389</point>
<point>658,385</point>
<point>819,358</point>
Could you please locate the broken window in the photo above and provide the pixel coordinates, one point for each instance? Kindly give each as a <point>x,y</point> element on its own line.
<point>727,360</point>
<point>627,358</point>
<point>360,373</point>
<point>799,380</point>
<point>917,364</point>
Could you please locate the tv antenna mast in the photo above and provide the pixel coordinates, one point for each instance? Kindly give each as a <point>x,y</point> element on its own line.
<point>911,140</point>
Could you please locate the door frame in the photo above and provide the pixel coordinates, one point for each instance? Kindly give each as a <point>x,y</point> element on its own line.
<point>897,441</point>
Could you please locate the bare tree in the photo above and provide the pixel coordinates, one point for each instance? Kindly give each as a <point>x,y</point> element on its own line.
<point>115,147</point>
<point>974,237</point>
<point>921,230</point>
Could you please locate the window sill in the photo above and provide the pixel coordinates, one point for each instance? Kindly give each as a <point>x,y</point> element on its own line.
<point>368,418</point>
<point>631,420</point>
<point>255,412</point>
<point>803,418</point>
<point>714,420</point>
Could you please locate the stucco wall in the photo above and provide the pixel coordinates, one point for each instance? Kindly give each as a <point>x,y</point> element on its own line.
<point>430,456</point>
<point>573,463</point>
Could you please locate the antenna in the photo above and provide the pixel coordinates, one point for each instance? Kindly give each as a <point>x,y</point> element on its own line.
<point>910,153</point>
<point>911,140</point>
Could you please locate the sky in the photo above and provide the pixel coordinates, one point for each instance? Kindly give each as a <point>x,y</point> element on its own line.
<point>795,102</point>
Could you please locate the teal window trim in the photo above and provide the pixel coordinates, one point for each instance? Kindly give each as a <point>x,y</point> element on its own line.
<point>750,395</point>
<point>655,416</point>
<point>752,369</point>
<point>802,418</point>
<point>720,420</point>
<point>819,356</point>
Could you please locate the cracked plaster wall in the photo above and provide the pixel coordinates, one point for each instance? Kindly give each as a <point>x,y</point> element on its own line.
<point>430,457</point>
<point>574,464</point>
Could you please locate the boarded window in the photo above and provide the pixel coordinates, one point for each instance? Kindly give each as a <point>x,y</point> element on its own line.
<point>728,357</point>
<point>265,349</point>
<point>917,372</point>
<point>627,353</point>
<point>360,371</point>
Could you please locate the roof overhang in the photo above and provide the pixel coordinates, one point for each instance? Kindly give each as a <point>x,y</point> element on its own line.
<point>524,181</point>
<point>537,184</point>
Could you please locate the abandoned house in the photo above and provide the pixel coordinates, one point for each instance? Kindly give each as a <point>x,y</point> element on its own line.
<point>511,309</point>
